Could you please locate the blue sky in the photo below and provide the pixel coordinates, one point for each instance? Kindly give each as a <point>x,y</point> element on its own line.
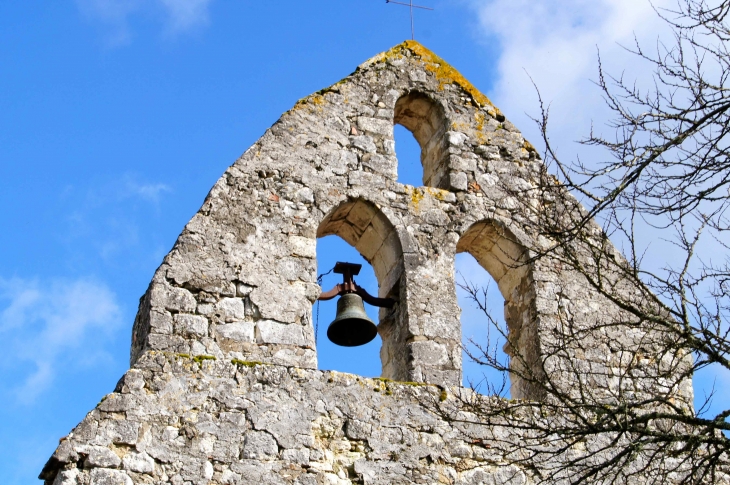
<point>118,116</point>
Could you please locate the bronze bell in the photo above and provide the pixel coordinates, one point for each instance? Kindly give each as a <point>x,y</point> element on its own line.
<point>351,327</point>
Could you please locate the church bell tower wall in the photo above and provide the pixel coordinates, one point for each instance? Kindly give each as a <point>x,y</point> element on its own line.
<point>224,387</point>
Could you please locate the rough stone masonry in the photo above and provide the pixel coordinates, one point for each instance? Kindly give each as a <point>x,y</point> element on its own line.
<point>223,386</point>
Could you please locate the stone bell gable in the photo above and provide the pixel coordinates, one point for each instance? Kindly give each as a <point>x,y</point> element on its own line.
<point>224,387</point>
<point>241,279</point>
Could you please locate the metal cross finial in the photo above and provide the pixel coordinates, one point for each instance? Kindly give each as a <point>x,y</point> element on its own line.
<point>411,6</point>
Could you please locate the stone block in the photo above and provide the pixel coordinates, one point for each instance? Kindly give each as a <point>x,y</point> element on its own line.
<point>364,143</point>
<point>120,431</point>
<point>462,164</point>
<point>428,352</point>
<point>302,358</point>
<point>304,247</point>
<point>101,457</point>
<point>271,332</point>
<point>388,255</point>
<point>67,477</point>
<point>386,284</point>
<point>512,280</point>
<point>487,180</point>
<point>160,322</point>
<point>340,213</point>
<point>173,298</point>
<point>259,445</point>
<point>358,430</point>
<point>100,476</point>
<point>441,324</point>
<point>381,164</point>
<point>369,243</point>
<point>360,215</point>
<point>435,217</point>
<point>305,195</point>
<point>458,181</point>
<point>300,457</point>
<point>381,224</point>
<point>366,179</point>
<point>236,331</point>
<point>231,309</point>
<point>375,125</point>
<point>349,233</point>
<point>169,343</point>
<point>139,462</point>
<point>191,325</point>
<point>455,138</point>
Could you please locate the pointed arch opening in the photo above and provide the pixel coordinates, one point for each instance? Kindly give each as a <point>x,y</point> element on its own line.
<point>366,235</point>
<point>500,253</point>
<point>426,120</point>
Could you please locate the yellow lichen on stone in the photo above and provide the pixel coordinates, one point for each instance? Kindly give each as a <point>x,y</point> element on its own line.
<point>439,194</point>
<point>313,100</point>
<point>415,195</point>
<point>441,69</point>
<point>447,74</point>
<point>481,120</point>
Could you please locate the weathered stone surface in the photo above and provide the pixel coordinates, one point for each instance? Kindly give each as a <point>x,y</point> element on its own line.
<point>260,445</point>
<point>238,331</point>
<point>100,476</point>
<point>101,457</point>
<point>191,325</point>
<point>270,332</point>
<point>67,477</point>
<point>139,462</point>
<point>223,387</point>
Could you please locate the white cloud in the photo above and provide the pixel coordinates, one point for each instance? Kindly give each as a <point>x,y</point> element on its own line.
<point>114,14</point>
<point>178,15</point>
<point>43,325</point>
<point>185,14</point>
<point>556,43</point>
<point>147,191</point>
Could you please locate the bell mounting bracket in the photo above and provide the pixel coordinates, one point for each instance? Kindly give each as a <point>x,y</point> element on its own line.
<point>348,285</point>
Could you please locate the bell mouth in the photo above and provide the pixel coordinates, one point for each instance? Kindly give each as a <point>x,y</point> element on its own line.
<point>351,326</point>
<point>352,332</point>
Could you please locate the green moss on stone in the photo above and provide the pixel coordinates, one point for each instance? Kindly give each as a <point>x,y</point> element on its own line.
<point>200,358</point>
<point>246,363</point>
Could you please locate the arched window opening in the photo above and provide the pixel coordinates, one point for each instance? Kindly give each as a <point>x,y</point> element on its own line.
<point>408,152</point>
<point>365,359</point>
<point>499,252</point>
<point>483,328</point>
<point>371,240</point>
<point>426,120</point>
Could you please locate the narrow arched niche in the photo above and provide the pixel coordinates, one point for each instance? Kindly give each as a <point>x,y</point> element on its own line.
<point>427,121</point>
<point>408,154</point>
<point>363,226</point>
<point>499,252</point>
